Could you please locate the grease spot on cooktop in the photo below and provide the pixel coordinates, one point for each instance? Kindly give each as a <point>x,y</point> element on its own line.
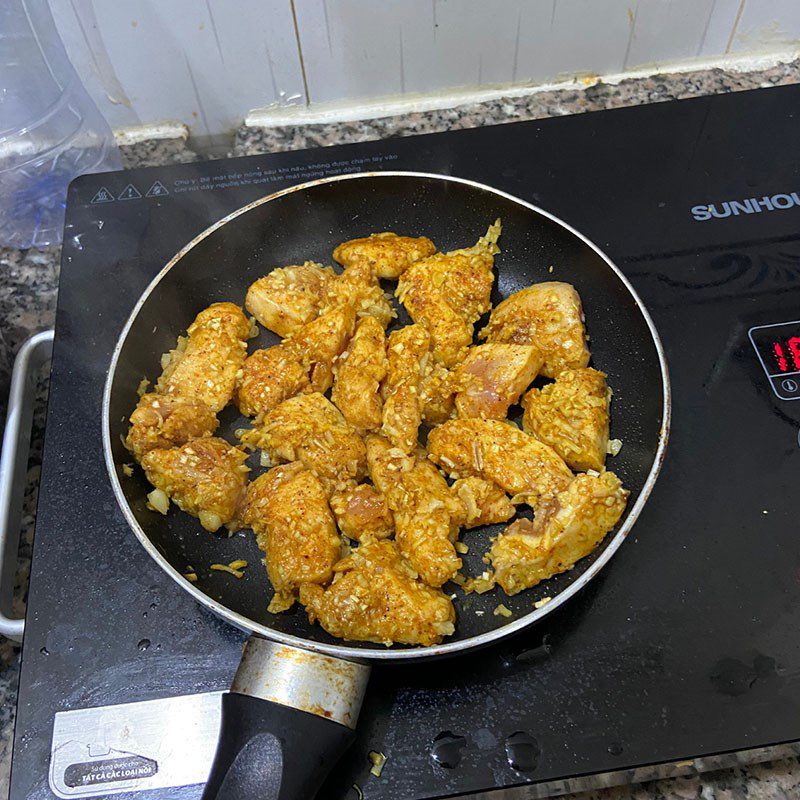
<point>522,751</point>
<point>734,677</point>
<point>446,749</point>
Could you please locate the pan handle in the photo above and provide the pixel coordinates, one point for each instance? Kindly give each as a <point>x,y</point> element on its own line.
<point>288,718</point>
<point>14,467</point>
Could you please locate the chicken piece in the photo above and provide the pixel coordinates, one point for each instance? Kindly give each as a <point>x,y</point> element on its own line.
<point>290,297</point>
<point>362,513</point>
<point>310,429</point>
<point>448,292</point>
<point>548,316</point>
<point>500,452</point>
<point>389,254</point>
<point>563,532</point>
<point>163,421</point>
<point>358,373</point>
<point>407,352</point>
<point>205,478</point>
<point>319,343</point>
<point>493,376</point>
<point>426,513</point>
<point>288,510</point>
<point>376,597</point>
<point>572,416</point>
<point>485,503</point>
<point>204,364</point>
<point>359,286</point>
<point>437,393</point>
<point>269,377</point>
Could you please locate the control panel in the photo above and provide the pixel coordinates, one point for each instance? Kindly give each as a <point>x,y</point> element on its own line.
<point>778,350</point>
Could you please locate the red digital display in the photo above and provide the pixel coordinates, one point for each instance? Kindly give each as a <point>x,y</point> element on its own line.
<point>786,354</point>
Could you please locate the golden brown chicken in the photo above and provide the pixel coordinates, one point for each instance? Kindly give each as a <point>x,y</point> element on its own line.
<point>572,416</point>
<point>319,343</point>
<point>485,503</point>
<point>163,421</point>
<point>448,292</point>
<point>502,453</point>
<point>437,393</point>
<point>310,429</point>
<point>407,351</point>
<point>564,531</point>
<point>205,478</point>
<point>288,510</point>
<point>267,378</point>
<point>376,597</point>
<point>358,373</point>
<point>548,316</point>
<point>426,379</point>
<point>426,513</point>
<point>290,297</point>
<point>389,254</point>
<point>204,364</point>
<point>359,286</point>
<point>493,376</point>
<point>362,513</point>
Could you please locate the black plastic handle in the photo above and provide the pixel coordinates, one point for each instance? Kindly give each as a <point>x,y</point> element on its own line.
<point>268,751</point>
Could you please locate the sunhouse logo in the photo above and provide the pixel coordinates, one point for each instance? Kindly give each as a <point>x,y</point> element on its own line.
<point>752,205</point>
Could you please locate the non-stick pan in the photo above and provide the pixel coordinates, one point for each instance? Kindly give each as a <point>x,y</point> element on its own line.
<point>295,699</point>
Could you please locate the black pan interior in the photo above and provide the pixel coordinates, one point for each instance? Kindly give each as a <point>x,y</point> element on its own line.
<point>307,225</point>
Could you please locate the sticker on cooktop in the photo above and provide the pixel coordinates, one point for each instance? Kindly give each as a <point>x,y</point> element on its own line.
<point>155,744</point>
<point>778,349</point>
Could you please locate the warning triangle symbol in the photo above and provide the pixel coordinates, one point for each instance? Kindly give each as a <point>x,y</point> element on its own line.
<point>103,196</point>
<point>130,192</point>
<point>156,190</point>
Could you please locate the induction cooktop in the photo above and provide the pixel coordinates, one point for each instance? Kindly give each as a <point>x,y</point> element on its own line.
<point>685,648</point>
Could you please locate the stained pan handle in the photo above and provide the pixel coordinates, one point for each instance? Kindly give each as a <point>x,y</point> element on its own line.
<point>14,469</point>
<point>288,718</point>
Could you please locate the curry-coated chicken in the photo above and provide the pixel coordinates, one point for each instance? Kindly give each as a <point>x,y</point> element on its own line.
<point>492,377</point>
<point>267,378</point>
<point>548,316</point>
<point>164,420</point>
<point>448,292</point>
<point>563,531</point>
<point>204,364</point>
<point>205,478</point>
<point>357,519</point>
<point>389,254</point>
<point>358,373</point>
<point>485,503</point>
<point>572,416</point>
<point>376,597</point>
<point>359,286</point>
<point>287,508</point>
<point>437,392</point>
<point>319,343</point>
<point>362,513</point>
<point>426,513</point>
<point>499,452</point>
<point>407,352</point>
<point>310,429</point>
<point>290,297</point>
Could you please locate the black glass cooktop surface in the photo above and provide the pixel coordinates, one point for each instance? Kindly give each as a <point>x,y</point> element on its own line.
<point>687,643</point>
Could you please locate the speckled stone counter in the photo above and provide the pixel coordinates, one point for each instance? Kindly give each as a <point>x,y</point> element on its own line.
<point>28,290</point>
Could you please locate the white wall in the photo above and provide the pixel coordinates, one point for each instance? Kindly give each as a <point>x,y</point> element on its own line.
<point>208,62</point>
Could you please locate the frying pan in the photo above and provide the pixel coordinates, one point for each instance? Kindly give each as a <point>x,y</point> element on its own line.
<point>294,702</point>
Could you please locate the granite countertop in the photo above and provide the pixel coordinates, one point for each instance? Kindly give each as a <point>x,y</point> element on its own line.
<point>29,285</point>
